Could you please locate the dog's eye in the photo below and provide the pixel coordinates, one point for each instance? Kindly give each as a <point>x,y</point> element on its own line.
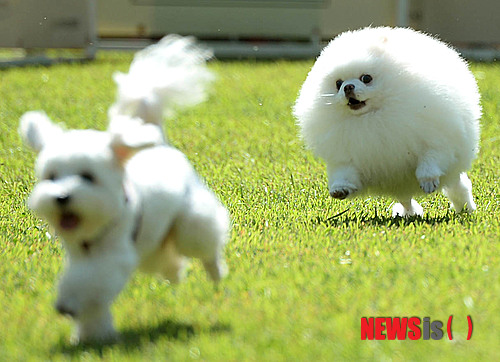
<point>366,78</point>
<point>339,84</point>
<point>87,177</point>
<point>51,176</point>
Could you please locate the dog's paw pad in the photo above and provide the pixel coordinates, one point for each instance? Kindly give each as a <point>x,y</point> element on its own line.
<point>340,193</point>
<point>429,185</point>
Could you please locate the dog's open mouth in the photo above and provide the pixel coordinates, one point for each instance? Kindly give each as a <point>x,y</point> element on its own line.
<point>69,220</point>
<point>355,104</point>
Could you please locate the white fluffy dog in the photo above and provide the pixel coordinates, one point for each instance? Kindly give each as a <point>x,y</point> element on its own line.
<point>392,112</point>
<point>124,199</point>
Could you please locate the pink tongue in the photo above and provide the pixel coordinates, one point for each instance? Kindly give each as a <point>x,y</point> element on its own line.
<point>69,221</point>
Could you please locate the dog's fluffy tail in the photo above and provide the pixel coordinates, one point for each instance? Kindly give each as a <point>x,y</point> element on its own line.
<point>162,79</point>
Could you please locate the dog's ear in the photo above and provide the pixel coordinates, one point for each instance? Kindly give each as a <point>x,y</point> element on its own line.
<point>36,129</point>
<point>133,137</point>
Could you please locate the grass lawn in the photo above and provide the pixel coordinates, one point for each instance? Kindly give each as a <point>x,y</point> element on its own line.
<point>301,275</point>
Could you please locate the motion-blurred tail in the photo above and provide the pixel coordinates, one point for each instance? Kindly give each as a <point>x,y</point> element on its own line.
<point>162,79</point>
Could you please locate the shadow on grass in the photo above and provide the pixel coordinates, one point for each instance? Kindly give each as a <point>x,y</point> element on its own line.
<point>365,219</point>
<point>134,338</point>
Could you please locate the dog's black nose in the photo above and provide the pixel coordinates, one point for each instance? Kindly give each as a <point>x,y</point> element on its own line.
<point>63,310</point>
<point>349,89</point>
<point>63,199</point>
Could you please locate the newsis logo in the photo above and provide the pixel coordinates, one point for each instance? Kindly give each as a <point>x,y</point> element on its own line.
<point>401,328</point>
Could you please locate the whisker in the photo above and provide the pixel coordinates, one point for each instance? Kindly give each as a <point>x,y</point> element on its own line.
<point>327,95</point>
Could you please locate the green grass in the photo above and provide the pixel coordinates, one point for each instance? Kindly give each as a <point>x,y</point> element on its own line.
<point>300,277</point>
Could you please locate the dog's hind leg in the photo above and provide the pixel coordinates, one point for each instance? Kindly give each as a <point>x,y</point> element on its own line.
<point>166,260</point>
<point>174,264</point>
<point>460,194</point>
<point>202,230</point>
<point>407,208</point>
<point>216,268</point>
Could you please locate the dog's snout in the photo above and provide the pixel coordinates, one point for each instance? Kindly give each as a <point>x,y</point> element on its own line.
<point>63,199</point>
<point>64,310</point>
<point>349,89</point>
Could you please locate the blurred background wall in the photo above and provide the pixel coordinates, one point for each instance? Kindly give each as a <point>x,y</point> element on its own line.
<point>456,20</point>
<point>241,28</point>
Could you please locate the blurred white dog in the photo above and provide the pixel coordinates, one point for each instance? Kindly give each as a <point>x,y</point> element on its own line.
<point>392,112</point>
<point>124,199</point>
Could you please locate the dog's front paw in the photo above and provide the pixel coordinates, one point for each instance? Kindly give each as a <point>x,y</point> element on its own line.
<point>94,331</point>
<point>429,185</point>
<point>109,338</point>
<point>341,192</point>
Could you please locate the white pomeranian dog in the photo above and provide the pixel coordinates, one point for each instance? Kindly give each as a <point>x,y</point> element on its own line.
<point>123,199</point>
<point>393,112</point>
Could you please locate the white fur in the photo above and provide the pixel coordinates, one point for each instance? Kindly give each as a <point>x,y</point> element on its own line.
<point>418,130</point>
<point>122,199</point>
<point>162,78</point>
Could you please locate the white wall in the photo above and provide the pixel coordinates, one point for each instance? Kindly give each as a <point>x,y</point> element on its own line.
<point>462,21</point>
<point>456,21</point>
<point>342,15</point>
<point>222,19</point>
<point>47,24</point>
